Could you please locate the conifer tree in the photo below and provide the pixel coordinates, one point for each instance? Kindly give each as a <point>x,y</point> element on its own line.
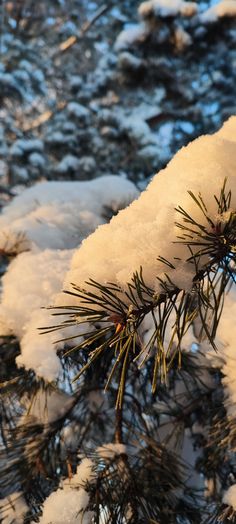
<point>139,425</point>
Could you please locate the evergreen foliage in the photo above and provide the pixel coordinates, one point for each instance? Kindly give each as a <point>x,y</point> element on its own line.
<point>157,395</point>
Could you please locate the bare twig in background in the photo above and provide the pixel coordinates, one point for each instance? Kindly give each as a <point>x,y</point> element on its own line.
<point>67,44</point>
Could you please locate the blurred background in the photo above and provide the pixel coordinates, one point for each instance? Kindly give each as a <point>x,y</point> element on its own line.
<point>89,88</point>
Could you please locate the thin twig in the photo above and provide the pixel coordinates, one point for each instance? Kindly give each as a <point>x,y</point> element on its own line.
<point>67,44</point>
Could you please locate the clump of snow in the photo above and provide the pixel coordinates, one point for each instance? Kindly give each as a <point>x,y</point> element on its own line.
<point>78,111</point>
<point>230,497</point>
<point>22,146</point>
<point>165,8</point>
<point>13,242</point>
<point>146,229</point>
<point>134,34</point>
<point>129,61</point>
<point>225,8</point>
<point>134,125</point>
<point>138,33</point>
<point>84,472</point>
<point>68,505</point>
<point>109,451</point>
<point>32,281</point>
<point>37,160</point>
<point>60,215</point>
<point>69,162</point>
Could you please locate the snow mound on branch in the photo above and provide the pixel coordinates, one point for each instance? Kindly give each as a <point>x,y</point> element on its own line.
<point>135,34</point>
<point>165,8</point>
<point>225,8</point>
<point>31,283</point>
<point>59,215</point>
<point>68,505</point>
<point>230,497</point>
<point>109,451</point>
<point>146,229</point>
<point>69,211</point>
<point>156,9</point>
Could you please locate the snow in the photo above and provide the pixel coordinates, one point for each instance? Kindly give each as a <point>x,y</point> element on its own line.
<point>78,111</point>
<point>13,508</point>
<point>230,497</point>
<point>84,472</point>
<point>68,505</point>
<point>133,238</point>
<point>136,33</point>
<point>32,282</point>
<point>69,162</point>
<point>109,451</point>
<point>146,229</point>
<point>37,160</point>
<point>22,146</point>
<point>225,8</point>
<point>129,61</point>
<point>46,406</point>
<point>166,8</point>
<point>59,215</point>
<point>132,35</point>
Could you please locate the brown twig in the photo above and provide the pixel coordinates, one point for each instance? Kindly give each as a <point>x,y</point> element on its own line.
<point>67,44</point>
<point>119,429</point>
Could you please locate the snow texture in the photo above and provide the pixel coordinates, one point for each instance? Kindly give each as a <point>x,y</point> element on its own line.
<point>134,238</point>
<point>31,283</point>
<point>59,215</point>
<point>66,506</point>
<point>146,229</point>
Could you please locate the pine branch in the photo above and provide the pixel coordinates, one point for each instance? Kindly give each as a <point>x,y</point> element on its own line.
<point>119,314</point>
